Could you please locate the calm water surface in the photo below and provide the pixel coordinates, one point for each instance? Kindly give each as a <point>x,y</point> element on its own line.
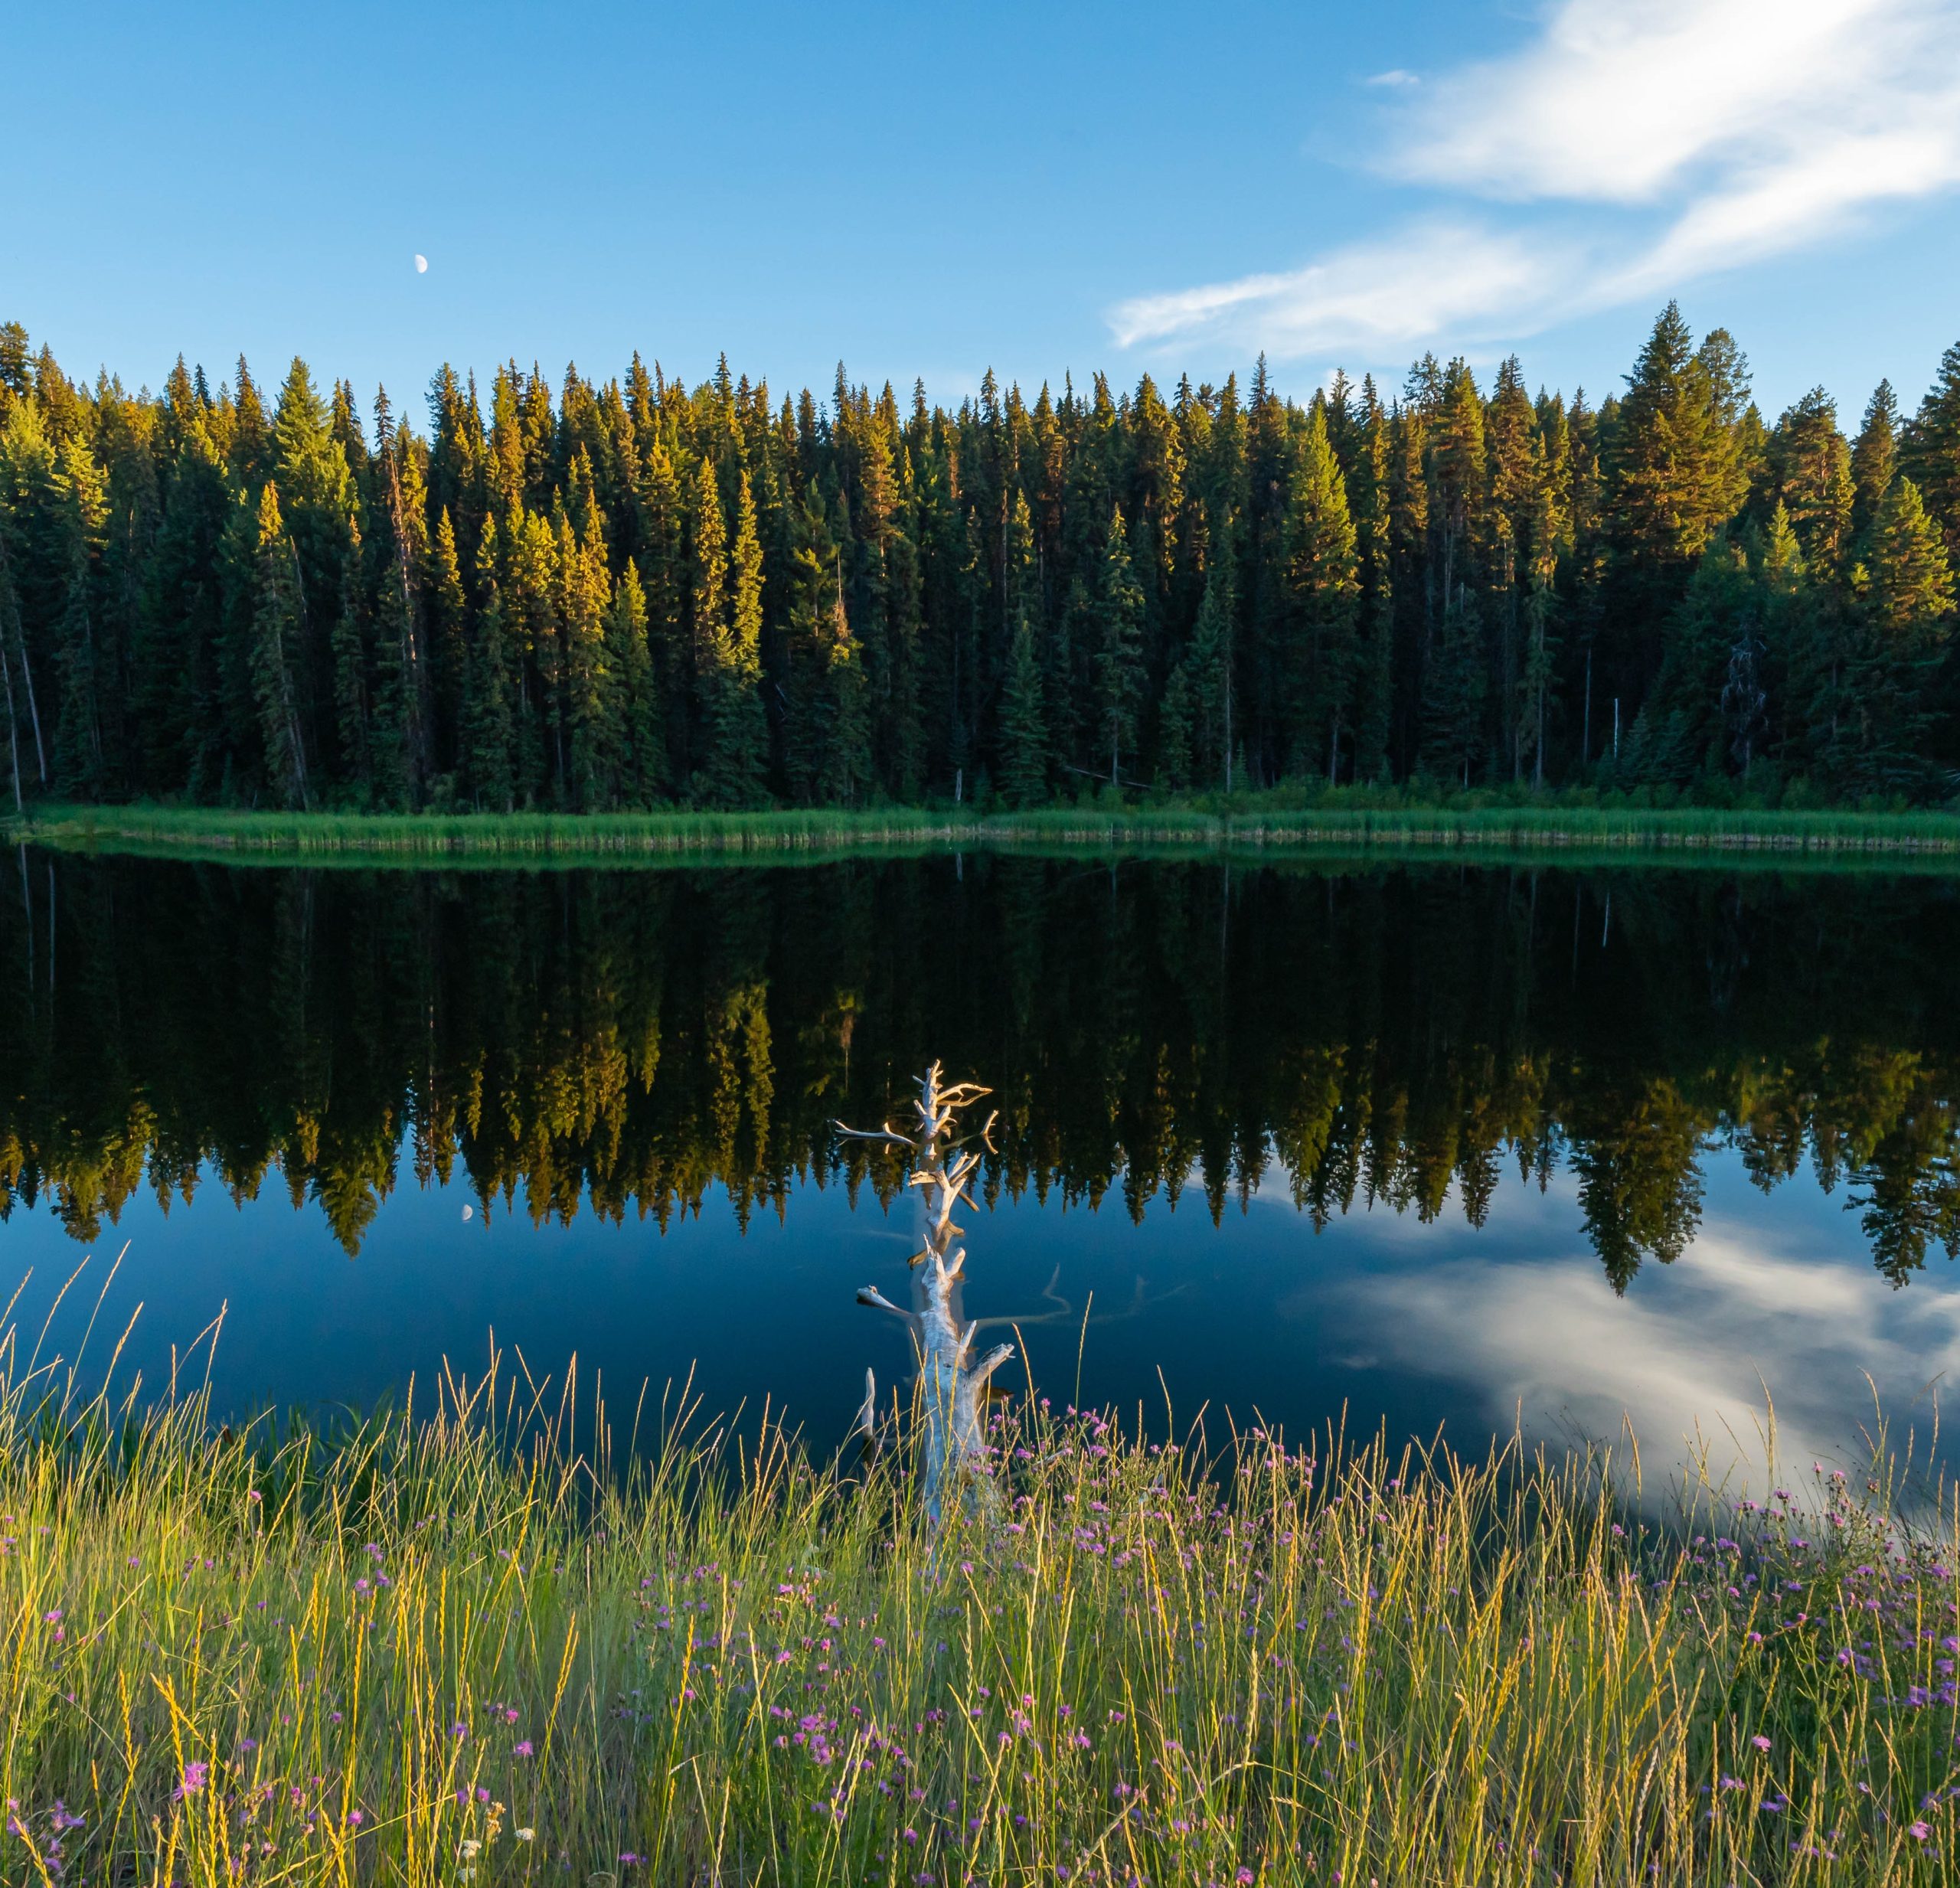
<point>1467,1146</point>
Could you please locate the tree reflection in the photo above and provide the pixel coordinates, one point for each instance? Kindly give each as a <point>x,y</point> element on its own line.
<point>623,1042</point>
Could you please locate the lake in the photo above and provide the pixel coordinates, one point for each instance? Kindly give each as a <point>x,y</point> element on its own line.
<point>1471,1145</point>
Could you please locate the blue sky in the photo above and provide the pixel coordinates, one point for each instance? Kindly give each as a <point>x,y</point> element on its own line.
<point>926,190</point>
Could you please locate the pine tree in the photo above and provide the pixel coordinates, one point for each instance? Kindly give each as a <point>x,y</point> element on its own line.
<point>1675,475</point>
<point>1811,464</point>
<point>642,776</point>
<point>275,635</point>
<point>1023,775</point>
<point>1453,695</point>
<point>848,775</point>
<point>1912,579</point>
<point>1119,658</point>
<point>1802,645</point>
<point>79,768</point>
<point>1174,732</point>
<point>1207,665</point>
<point>1881,740</point>
<point>1874,460</point>
<point>349,648</point>
<point>594,724</point>
<point>661,526</point>
<point>534,643</point>
<point>1932,451</point>
<point>1715,620</point>
<point>735,741</point>
<point>489,720</point>
<point>1323,593</point>
<point>449,645</point>
<point>1370,490</point>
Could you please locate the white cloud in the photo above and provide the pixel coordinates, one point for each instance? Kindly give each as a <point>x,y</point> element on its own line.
<point>1434,277</point>
<point>1702,135</point>
<point>1396,77</point>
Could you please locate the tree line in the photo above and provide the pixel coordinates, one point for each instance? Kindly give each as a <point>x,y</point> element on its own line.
<point>632,1043</point>
<point>637,594</point>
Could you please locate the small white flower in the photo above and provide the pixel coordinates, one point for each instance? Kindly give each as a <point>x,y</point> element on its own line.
<point>523,1835</point>
<point>470,1849</point>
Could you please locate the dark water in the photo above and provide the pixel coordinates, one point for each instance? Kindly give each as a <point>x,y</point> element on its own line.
<point>1466,1146</point>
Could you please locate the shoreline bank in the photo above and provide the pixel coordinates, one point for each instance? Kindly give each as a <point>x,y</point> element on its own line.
<point>1261,831</point>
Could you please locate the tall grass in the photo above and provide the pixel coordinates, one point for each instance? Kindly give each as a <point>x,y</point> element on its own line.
<point>1274,824</point>
<point>464,1643</point>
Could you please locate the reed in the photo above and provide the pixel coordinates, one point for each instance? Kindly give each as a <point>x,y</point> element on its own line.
<point>484,1638</point>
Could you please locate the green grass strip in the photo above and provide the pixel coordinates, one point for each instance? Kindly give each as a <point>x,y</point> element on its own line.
<point>1270,826</point>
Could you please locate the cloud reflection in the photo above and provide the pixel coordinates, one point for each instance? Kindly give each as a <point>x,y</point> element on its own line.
<point>1685,1358</point>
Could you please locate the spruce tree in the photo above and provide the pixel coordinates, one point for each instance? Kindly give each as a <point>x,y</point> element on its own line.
<point>449,644</point>
<point>735,744</point>
<point>1874,460</point>
<point>489,720</point>
<point>80,768</point>
<point>1023,772</point>
<point>1323,598</point>
<point>594,723</point>
<point>643,758</point>
<point>1811,464</point>
<point>1207,666</point>
<point>1453,695</point>
<point>1674,463</point>
<point>1881,738</point>
<point>348,644</point>
<point>1932,451</point>
<point>274,643</point>
<point>1118,658</point>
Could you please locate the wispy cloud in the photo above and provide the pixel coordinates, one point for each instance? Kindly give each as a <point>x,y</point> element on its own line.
<point>1699,134</point>
<point>1433,277</point>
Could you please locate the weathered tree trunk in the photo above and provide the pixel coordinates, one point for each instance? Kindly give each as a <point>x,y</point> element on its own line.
<point>952,1385</point>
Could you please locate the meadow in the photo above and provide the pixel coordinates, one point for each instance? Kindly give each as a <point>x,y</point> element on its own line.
<point>495,1637</point>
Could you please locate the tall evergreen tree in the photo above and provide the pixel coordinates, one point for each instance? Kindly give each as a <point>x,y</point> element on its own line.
<point>275,647</point>
<point>489,690</point>
<point>641,766</point>
<point>1932,450</point>
<point>1119,658</point>
<point>1874,460</point>
<point>735,743</point>
<point>1323,593</point>
<point>1024,775</point>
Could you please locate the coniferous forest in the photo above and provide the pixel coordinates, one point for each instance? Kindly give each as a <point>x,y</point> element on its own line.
<point>633,593</point>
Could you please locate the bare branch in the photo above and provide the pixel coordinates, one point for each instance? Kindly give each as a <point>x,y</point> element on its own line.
<point>885,1133</point>
<point>991,1362</point>
<point>870,1294</point>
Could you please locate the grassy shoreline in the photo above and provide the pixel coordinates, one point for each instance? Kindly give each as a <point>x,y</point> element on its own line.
<point>1272,826</point>
<point>456,1648</point>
